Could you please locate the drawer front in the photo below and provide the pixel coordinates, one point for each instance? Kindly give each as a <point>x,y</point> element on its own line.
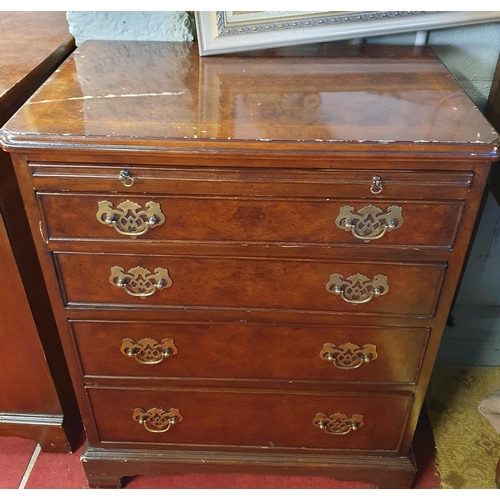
<point>241,283</point>
<point>385,180</point>
<point>250,351</point>
<point>222,219</point>
<point>251,419</point>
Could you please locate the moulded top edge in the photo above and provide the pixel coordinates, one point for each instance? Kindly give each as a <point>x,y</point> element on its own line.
<point>163,95</point>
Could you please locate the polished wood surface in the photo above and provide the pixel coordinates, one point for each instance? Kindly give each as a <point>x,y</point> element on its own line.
<point>32,45</point>
<point>215,419</point>
<point>36,397</point>
<point>22,346</point>
<point>231,351</point>
<point>314,98</point>
<point>246,162</point>
<point>209,219</point>
<point>354,180</point>
<point>250,283</point>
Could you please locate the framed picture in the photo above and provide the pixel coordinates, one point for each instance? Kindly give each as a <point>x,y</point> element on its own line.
<point>221,32</point>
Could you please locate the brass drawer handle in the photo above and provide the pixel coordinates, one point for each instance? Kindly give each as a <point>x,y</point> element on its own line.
<point>369,223</point>
<point>125,178</point>
<point>376,187</point>
<point>348,356</point>
<point>357,289</point>
<point>148,351</point>
<point>338,424</point>
<point>129,218</point>
<point>158,418</point>
<point>140,282</point>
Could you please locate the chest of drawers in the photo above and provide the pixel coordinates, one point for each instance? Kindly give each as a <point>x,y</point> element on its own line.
<point>251,259</point>
<point>36,395</point>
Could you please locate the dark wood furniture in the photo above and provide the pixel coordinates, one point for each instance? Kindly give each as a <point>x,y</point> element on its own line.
<point>36,397</point>
<point>251,258</point>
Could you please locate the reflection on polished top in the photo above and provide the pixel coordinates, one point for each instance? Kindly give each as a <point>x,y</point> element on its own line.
<point>26,40</point>
<point>328,96</point>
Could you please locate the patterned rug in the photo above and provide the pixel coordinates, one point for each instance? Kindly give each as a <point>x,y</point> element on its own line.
<point>468,447</point>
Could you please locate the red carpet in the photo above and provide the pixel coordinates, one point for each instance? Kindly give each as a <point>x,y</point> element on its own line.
<point>15,454</point>
<point>58,471</point>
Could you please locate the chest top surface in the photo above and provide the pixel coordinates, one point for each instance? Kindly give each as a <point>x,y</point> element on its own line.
<point>327,97</point>
<point>26,40</point>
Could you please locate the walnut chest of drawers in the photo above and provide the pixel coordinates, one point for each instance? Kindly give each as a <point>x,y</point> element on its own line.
<point>251,259</point>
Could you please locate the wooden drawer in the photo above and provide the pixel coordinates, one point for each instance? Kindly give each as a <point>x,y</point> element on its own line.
<point>250,351</point>
<point>214,418</point>
<point>350,179</point>
<point>397,289</point>
<point>237,219</point>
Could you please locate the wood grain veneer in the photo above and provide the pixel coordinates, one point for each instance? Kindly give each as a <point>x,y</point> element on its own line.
<point>251,158</point>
